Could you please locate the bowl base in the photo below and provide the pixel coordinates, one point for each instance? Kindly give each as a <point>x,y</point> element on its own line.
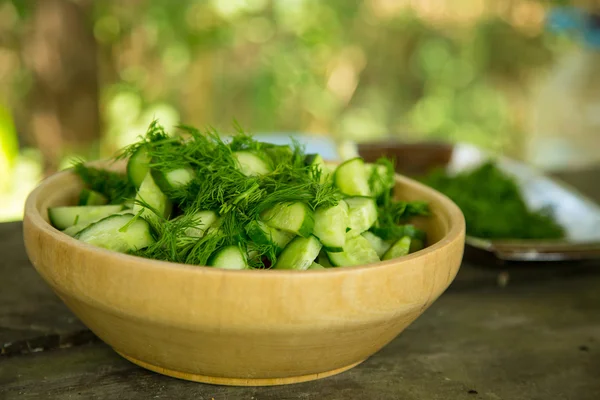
<point>215,380</point>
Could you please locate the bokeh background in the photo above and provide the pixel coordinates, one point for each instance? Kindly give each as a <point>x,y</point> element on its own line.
<point>83,78</point>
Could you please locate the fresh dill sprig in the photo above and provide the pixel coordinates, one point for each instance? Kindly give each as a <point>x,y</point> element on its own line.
<point>116,187</point>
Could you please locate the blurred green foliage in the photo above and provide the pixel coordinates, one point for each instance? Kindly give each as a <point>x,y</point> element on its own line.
<point>357,69</point>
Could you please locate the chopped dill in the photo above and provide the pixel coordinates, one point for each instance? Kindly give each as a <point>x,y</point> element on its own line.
<point>116,187</point>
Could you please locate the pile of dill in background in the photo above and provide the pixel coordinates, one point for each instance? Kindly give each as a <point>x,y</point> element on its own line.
<point>493,205</point>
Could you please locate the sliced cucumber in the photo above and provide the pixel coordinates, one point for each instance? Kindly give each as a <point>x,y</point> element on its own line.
<point>261,233</point>
<point>250,164</point>
<point>64,217</point>
<point>120,233</point>
<point>317,161</point>
<point>379,178</point>
<point>299,254</point>
<point>150,194</point>
<point>205,220</point>
<point>398,249</point>
<point>296,218</point>
<point>358,251</point>
<point>351,178</point>
<point>315,265</point>
<point>229,257</point>
<point>330,226</point>
<point>379,245</point>
<point>175,179</point>
<point>314,159</point>
<point>89,197</point>
<point>323,259</point>
<point>75,229</point>
<point>362,214</point>
<point>416,245</point>
<point>137,166</point>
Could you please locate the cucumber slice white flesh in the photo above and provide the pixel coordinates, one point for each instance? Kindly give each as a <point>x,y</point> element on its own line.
<point>330,226</point>
<point>380,245</point>
<point>205,220</point>
<point>151,194</point>
<point>299,254</point>
<point>250,164</point>
<point>362,214</point>
<point>296,218</point>
<point>75,229</point>
<point>398,249</point>
<point>64,217</point>
<point>261,233</point>
<point>89,197</point>
<point>168,181</point>
<point>137,166</point>
<point>351,178</point>
<point>381,182</point>
<point>229,257</point>
<point>358,251</point>
<point>110,233</point>
<point>315,265</point>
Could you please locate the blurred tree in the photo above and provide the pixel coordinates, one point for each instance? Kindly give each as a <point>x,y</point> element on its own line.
<point>63,100</point>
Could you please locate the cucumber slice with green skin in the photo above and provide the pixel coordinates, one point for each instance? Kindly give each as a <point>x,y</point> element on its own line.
<point>229,257</point>
<point>362,214</point>
<point>75,229</point>
<point>299,254</point>
<point>295,218</point>
<point>315,265</point>
<point>416,245</point>
<point>120,233</point>
<point>323,259</point>
<point>358,251</point>
<point>379,179</point>
<point>330,226</point>
<point>137,166</point>
<point>64,217</point>
<point>351,178</point>
<point>261,233</point>
<point>379,245</point>
<point>206,219</point>
<point>317,161</point>
<point>89,197</point>
<point>314,159</point>
<point>151,194</point>
<point>168,181</point>
<point>398,249</point>
<point>250,164</point>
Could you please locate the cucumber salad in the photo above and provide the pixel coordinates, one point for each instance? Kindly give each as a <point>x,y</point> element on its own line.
<point>192,197</point>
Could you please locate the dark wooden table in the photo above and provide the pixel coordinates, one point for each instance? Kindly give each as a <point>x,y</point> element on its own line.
<point>533,336</point>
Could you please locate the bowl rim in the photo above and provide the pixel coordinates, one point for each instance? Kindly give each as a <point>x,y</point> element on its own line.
<point>455,219</point>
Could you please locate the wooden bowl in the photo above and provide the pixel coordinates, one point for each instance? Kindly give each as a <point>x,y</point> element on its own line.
<point>247,327</point>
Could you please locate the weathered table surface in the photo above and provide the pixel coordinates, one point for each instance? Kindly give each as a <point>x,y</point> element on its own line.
<point>537,337</point>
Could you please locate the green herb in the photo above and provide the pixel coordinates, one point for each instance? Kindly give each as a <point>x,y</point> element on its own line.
<point>392,215</point>
<point>493,205</point>
<point>116,187</point>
